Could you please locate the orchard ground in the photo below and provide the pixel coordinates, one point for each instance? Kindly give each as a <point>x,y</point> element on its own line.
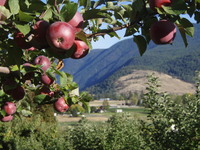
<point>137,112</point>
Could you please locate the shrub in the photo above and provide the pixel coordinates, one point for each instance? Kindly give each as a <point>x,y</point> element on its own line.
<point>76,109</point>
<point>118,133</point>
<point>171,125</point>
<point>31,134</point>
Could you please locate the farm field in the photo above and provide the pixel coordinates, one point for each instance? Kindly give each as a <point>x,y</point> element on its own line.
<point>134,111</point>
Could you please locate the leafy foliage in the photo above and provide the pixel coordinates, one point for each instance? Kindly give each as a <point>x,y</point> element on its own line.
<point>119,132</point>
<point>31,134</point>
<point>170,122</point>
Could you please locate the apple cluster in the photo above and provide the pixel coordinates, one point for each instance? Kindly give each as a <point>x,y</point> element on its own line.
<point>59,38</point>
<point>162,31</point>
<point>9,108</point>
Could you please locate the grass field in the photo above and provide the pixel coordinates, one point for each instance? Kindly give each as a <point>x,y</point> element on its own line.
<point>134,111</point>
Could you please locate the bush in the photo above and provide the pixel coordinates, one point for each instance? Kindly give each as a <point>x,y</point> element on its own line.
<point>76,109</point>
<point>172,125</point>
<point>118,133</point>
<point>31,134</point>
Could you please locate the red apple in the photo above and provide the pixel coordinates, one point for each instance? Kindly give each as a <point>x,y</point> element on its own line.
<point>45,79</point>
<point>9,85</point>
<point>60,105</point>
<point>46,91</point>
<point>18,93</point>
<point>43,61</point>
<point>28,75</point>
<point>39,34</point>
<point>20,40</point>
<point>7,118</point>
<point>163,32</point>
<point>77,22</point>
<point>2,2</point>
<point>2,17</point>
<point>159,3</point>
<point>60,36</point>
<point>81,49</point>
<point>61,54</point>
<point>10,108</point>
<point>31,49</point>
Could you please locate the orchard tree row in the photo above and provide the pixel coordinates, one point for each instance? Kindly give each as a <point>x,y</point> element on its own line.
<point>37,35</point>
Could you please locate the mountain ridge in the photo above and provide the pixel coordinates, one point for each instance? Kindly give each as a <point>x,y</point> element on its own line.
<point>100,64</point>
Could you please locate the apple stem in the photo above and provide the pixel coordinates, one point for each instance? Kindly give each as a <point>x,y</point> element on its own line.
<point>60,65</point>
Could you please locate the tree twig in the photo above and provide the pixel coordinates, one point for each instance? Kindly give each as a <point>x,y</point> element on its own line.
<point>106,31</point>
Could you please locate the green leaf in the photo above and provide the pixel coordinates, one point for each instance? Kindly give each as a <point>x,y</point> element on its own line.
<point>5,11</point>
<point>86,106</point>
<point>183,35</point>
<point>137,5</point>
<point>14,6</point>
<point>85,3</point>
<point>47,15</point>
<point>2,112</point>
<point>68,11</point>
<point>74,99</point>
<point>41,98</point>
<point>26,17</point>
<point>96,13</point>
<point>57,71</point>
<point>82,36</point>
<point>141,43</point>
<point>15,55</point>
<point>130,31</point>
<point>26,112</point>
<point>25,29</point>
<point>63,79</point>
<point>2,93</point>
<point>178,7</point>
<point>113,34</point>
<point>188,26</point>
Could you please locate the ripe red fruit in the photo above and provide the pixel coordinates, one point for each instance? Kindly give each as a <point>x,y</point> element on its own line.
<point>20,40</point>
<point>60,36</point>
<point>45,79</point>
<point>43,61</point>
<point>2,17</point>
<point>81,49</point>
<point>31,49</point>
<point>28,75</point>
<point>77,22</point>
<point>9,85</point>
<point>163,32</point>
<point>2,2</point>
<point>158,3</point>
<point>60,105</point>
<point>10,108</point>
<point>46,91</point>
<point>7,118</point>
<point>18,93</point>
<point>39,32</point>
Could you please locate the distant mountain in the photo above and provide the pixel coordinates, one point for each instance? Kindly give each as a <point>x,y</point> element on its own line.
<point>135,82</point>
<point>123,57</point>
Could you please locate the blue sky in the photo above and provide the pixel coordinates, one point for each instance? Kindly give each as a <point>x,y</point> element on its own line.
<point>104,43</point>
<point>107,41</point>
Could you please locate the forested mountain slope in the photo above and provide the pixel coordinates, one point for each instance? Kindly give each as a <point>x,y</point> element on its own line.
<point>118,60</point>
